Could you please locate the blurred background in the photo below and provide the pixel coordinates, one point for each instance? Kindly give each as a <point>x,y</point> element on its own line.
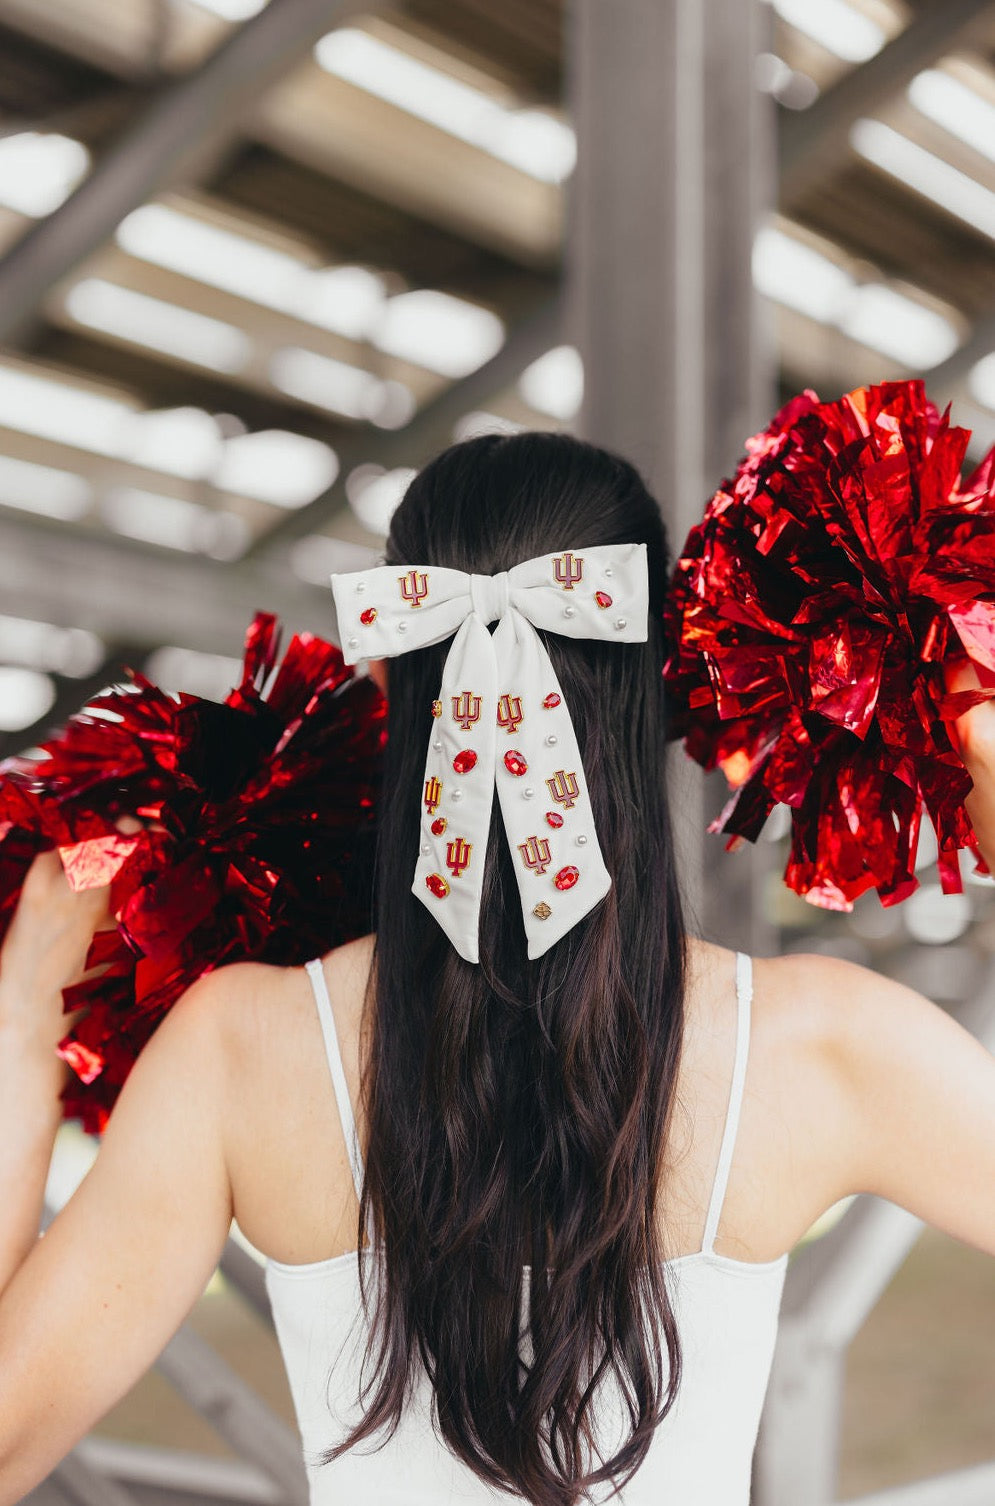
<point>258,262</point>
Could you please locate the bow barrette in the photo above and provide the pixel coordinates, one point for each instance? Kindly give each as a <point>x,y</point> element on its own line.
<point>500,719</point>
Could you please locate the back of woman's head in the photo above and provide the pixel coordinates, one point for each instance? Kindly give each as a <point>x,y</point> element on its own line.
<point>517,1110</point>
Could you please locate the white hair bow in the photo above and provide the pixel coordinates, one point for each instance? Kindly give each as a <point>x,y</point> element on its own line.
<point>500,718</point>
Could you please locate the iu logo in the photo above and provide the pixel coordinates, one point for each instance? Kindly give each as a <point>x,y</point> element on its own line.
<point>433,794</point>
<point>509,713</point>
<point>414,587</point>
<point>466,709</point>
<point>564,788</point>
<point>567,570</point>
<point>535,854</point>
<point>458,855</point>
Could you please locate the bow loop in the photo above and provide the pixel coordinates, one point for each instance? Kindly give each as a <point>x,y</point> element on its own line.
<point>500,721</point>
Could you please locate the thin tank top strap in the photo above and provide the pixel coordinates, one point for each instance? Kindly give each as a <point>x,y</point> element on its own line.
<point>744,997</point>
<point>319,987</point>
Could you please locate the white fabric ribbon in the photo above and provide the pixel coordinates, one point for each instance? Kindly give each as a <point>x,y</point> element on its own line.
<point>500,719</point>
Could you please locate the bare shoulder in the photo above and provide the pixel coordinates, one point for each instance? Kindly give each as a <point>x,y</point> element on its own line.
<point>279,1108</point>
<point>790,1161</point>
<point>912,1094</point>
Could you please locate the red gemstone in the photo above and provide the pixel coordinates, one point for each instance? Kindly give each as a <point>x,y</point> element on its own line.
<point>438,885</point>
<point>370,615</point>
<point>602,598</point>
<point>551,700</point>
<point>554,819</point>
<point>566,878</point>
<point>439,825</point>
<point>515,763</point>
<point>464,762</point>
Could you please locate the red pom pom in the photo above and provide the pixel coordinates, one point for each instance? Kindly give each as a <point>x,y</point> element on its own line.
<point>810,616</point>
<point>261,846</point>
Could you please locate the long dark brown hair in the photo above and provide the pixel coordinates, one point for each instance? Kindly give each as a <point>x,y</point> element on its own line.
<point>517,1111</point>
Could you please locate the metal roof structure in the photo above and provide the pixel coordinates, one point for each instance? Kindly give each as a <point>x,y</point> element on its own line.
<point>261,260</point>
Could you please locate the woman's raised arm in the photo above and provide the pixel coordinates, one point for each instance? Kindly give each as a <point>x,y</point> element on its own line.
<point>919,1087</point>
<point>86,1309</point>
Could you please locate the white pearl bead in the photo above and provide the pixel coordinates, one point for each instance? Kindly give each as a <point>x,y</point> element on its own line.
<point>402,627</point>
<point>570,611</point>
<point>552,740</point>
<point>581,840</point>
<point>437,744</point>
<point>425,848</point>
<point>457,795</point>
<point>620,622</point>
<point>528,792</point>
<point>360,586</point>
<point>609,570</point>
<point>353,642</point>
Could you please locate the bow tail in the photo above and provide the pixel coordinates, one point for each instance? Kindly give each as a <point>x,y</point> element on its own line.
<point>543,791</point>
<point>458,789</point>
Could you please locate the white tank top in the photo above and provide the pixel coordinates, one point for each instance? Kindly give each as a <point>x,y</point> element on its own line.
<point>726,1310</point>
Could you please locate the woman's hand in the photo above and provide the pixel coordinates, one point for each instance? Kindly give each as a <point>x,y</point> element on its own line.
<point>976,733</point>
<point>46,946</point>
<point>45,950</point>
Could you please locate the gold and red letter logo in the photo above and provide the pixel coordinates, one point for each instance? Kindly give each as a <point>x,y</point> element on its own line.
<point>414,587</point>
<point>466,709</point>
<point>564,788</point>
<point>458,855</point>
<point>567,570</point>
<point>433,794</point>
<point>509,712</point>
<point>535,854</point>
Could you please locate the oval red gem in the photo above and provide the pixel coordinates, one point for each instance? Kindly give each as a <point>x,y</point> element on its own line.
<point>464,761</point>
<point>602,598</point>
<point>439,825</point>
<point>515,763</point>
<point>554,819</point>
<point>438,885</point>
<point>551,700</point>
<point>566,878</point>
<point>370,615</point>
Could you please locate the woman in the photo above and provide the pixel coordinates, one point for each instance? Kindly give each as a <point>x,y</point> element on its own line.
<point>580,1106</point>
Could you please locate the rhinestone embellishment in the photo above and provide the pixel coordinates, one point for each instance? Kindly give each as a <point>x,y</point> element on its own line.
<point>436,708</point>
<point>437,885</point>
<point>603,599</point>
<point>541,911</point>
<point>439,825</point>
<point>370,615</point>
<point>464,761</point>
<point>551,700</point>
<point>567,877</point>
<point>515,763</point>
<point>554,819</point>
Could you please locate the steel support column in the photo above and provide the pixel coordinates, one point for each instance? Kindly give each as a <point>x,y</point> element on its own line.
<point>739,137</point>
<point>634,265</point>
<point>672,170</point>
<point>155,150</point>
